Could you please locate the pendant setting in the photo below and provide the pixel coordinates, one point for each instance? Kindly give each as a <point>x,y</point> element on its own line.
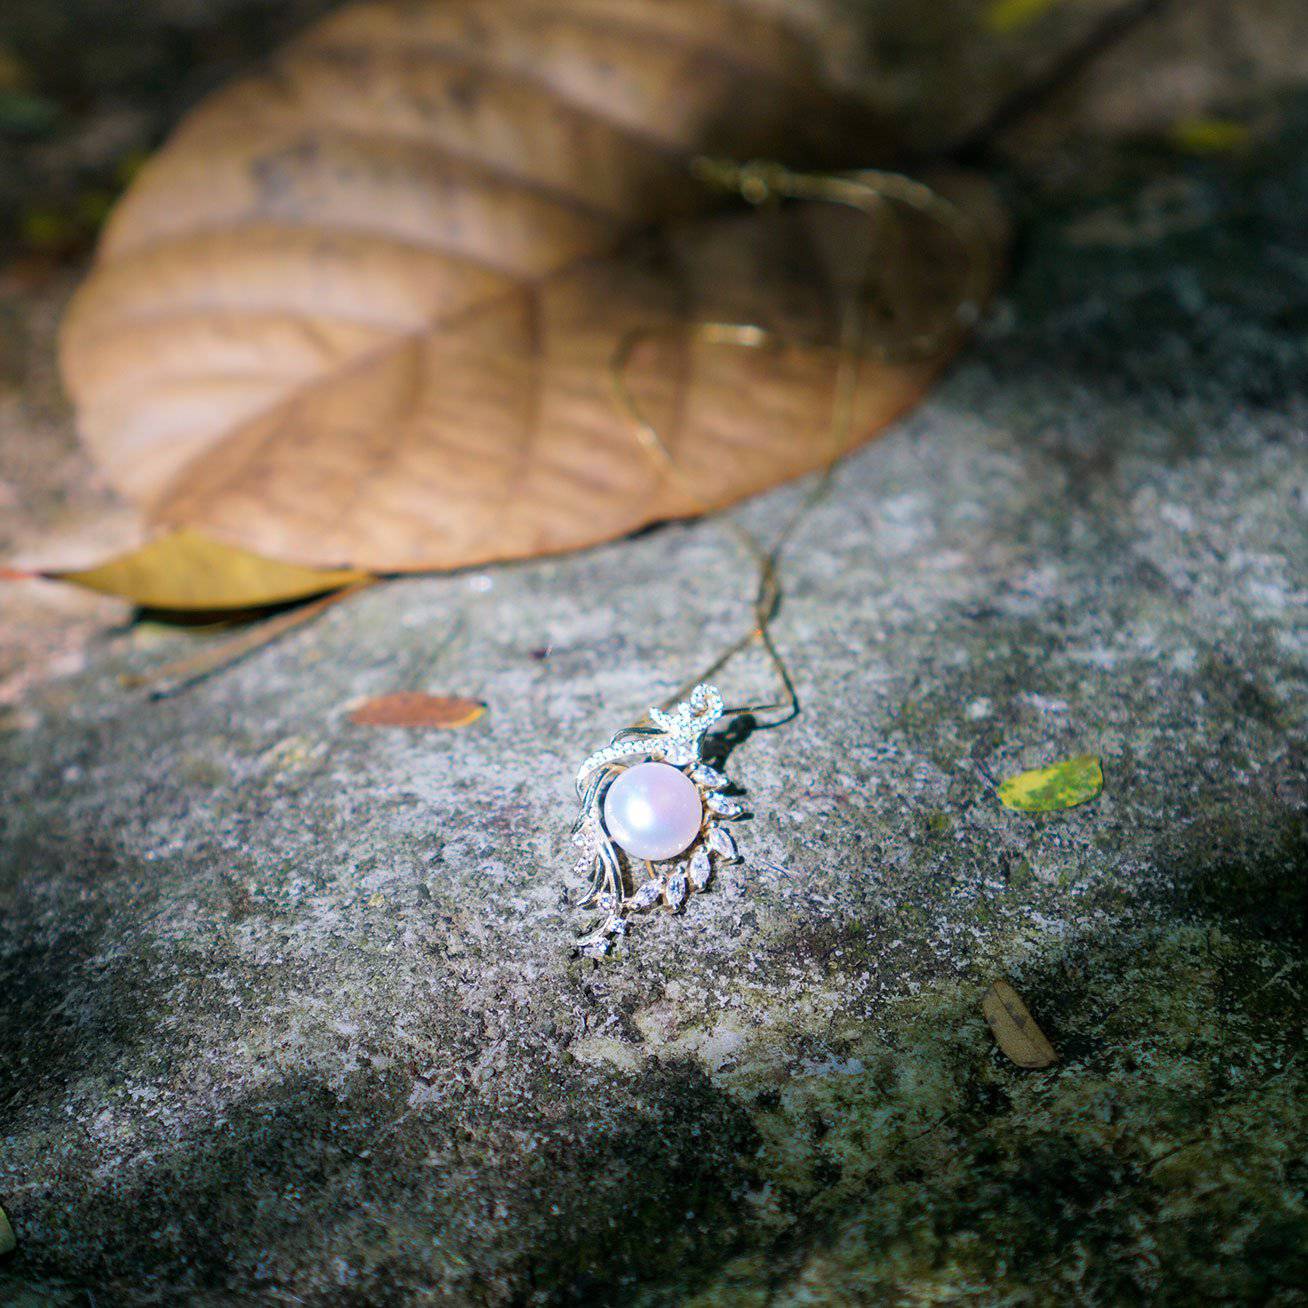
<point>648,798</point>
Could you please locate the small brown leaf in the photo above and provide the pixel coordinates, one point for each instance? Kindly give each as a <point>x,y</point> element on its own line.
<point>414,709</point>
<point>1014,1027</point>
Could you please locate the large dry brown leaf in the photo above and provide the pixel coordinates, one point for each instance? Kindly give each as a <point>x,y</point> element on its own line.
<point>356,311</point>
<point>497,436</point>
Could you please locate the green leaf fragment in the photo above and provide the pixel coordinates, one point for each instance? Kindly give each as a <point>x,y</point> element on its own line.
<point>24,114</point>
<point>1003,16</point>
<point>1045,790</point>
<point>8,1242</point>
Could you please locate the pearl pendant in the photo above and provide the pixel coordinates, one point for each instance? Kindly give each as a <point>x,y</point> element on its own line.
<point>653,811</point>
<point>648,796</point>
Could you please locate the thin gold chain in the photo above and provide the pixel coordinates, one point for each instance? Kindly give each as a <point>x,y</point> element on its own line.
<point>867,191</point>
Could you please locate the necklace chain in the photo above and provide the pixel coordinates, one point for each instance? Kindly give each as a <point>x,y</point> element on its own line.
<point>871,192</point>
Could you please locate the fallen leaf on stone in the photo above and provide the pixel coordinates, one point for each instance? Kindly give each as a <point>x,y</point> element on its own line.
<point>14,75</point>
<point>187,570</point>
<point>1210,135</point>
<point>414,709</point>
<point>1064,785</point>
<point>8,1241</point>
<point>1014,1027</point>
<point>1005,16</point>
<point>361,308</point>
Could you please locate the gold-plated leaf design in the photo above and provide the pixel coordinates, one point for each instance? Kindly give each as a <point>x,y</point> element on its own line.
<point>1014,1027</point>
<point>1045,790</point>
<point>187,570</point>
<point>360,309</point>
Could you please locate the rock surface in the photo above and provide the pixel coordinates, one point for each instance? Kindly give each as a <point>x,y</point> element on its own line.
<point>289,1009</point>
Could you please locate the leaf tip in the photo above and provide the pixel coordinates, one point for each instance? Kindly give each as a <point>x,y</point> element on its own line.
<point>186,570</point>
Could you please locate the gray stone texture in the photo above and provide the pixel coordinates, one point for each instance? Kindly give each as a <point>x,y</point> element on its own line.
<point>288,1008</point>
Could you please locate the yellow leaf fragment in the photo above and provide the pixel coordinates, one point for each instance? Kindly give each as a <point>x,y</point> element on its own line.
<point>1210,135</point>
<point>187,570</point>
<point>1005,16</point>
<point>13,72</point>
<point>8,1241</point>
<point>1045,790</point>
<point>1014,1027</point>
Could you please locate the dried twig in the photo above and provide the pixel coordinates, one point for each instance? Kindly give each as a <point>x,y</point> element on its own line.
<point>177,676</point>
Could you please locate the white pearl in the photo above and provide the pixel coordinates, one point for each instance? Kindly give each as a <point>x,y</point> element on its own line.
<point>653,811</point>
